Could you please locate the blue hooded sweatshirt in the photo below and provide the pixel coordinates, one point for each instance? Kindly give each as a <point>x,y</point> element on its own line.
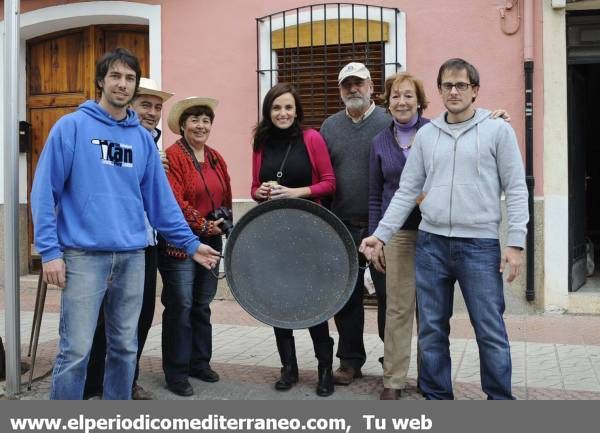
<point>95,178</point>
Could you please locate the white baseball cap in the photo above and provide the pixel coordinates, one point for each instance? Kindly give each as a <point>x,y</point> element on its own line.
<point>354,69</point>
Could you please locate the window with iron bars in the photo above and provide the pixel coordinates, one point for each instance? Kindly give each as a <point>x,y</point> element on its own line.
<point>308,46</point>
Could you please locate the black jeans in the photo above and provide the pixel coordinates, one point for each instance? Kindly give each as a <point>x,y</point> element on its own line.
<point>188,290</point>
<point>350,320</point>
<point>318,333</point>
<point>95,370</point>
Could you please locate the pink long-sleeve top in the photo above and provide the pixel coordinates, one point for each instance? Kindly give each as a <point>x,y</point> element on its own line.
<point>323,178</point>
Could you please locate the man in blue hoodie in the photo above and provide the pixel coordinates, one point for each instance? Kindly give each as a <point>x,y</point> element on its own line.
<point>99,171</point>
<point>460,165</point>
<point>147,104</point>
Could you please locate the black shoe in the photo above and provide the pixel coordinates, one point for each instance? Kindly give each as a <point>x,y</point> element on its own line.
<point>206,374</point>
<point>325,386</point>
<point>289,376</point>
<point>182,388</point>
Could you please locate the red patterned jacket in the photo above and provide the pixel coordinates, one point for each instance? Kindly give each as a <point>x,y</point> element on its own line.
<point>191,191</point>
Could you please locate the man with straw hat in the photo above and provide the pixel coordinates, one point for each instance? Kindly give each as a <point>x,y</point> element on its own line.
<point>147,103</point>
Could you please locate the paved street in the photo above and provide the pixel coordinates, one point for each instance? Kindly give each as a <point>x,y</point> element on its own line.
<point>554,357</point>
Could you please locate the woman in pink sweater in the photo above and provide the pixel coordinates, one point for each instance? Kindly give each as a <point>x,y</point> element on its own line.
<point>292,162</point>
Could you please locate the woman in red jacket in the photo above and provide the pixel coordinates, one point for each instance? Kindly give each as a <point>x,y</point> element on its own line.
<point>292,162</point>
<point>201,185</point>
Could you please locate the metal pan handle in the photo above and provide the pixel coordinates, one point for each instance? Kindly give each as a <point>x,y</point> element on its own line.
<point>219,275</point>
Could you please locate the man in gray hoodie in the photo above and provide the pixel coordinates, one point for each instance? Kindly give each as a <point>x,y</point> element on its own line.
<point>460,165</point>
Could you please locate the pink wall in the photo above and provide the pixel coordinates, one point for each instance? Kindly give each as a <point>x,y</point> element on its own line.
<point>209,49</point>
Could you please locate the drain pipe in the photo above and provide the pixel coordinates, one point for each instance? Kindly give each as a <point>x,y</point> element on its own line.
<point>528,29</point>
<point>12,319</point>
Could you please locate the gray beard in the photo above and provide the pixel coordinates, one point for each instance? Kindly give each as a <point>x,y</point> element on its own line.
<point>355,104</point>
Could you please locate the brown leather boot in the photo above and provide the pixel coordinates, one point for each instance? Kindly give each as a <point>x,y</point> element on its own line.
<point>345,375</point>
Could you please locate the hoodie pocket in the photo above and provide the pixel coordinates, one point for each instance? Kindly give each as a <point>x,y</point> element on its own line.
<point>435,207</point>
<point>114,220</point>
<point>467,205</point>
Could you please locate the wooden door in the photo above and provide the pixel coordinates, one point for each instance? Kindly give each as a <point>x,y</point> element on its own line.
<point>134,38</point>
<point>60,76</point>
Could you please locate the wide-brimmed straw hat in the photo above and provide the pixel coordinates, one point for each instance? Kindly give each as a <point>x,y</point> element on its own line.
<point>149,87</point>
<point>184,104</point>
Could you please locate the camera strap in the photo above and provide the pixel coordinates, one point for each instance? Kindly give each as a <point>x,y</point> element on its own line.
<point>279,174</point>
<point>198,167</point>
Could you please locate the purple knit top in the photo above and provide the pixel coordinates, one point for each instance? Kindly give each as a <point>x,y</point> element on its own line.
<point>386,163</point>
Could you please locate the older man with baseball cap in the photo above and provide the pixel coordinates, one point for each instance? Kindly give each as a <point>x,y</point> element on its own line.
<point>147,104</point>
<point>348,134</point>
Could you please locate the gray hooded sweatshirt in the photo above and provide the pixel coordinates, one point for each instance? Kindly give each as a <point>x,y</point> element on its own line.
<point>462,176</point>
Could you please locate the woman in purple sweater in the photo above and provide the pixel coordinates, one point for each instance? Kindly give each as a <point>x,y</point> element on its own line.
<point>405,99</point>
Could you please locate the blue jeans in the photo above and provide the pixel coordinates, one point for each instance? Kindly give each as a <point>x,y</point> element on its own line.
<point>117,277</point>
<point>440,262</point>
<point>95,369</point>
<point>188,290</point>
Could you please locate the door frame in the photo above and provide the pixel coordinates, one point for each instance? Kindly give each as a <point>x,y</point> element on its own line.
<point>556,295</point>
<point>577,20</point>
<point>64,17</point>
<point>67,16</point>
<point>92,39</point>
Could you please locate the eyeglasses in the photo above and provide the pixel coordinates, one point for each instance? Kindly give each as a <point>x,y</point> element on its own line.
<point>460,86</point>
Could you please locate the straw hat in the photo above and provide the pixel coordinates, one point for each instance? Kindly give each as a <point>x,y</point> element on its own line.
<point>149,87</point>
<point>184,104</point>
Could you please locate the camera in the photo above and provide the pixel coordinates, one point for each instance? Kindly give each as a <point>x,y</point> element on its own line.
<point>223,212</point>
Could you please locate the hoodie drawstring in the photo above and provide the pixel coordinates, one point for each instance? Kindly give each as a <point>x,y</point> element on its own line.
<point>478,153</point>
<point>437,140</point>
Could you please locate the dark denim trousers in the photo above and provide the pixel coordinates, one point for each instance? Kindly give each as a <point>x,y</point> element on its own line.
<point>350,320</point>
<point>474,263</point>
<point>188,290</point>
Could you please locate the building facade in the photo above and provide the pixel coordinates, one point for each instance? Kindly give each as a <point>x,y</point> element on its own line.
<point>235,50</point>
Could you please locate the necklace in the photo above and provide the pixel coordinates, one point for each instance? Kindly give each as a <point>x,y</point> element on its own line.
<point>404,147</point>
<point>198,154</point>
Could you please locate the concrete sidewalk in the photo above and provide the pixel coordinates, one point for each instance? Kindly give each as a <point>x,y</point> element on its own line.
<point>554,357</point>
